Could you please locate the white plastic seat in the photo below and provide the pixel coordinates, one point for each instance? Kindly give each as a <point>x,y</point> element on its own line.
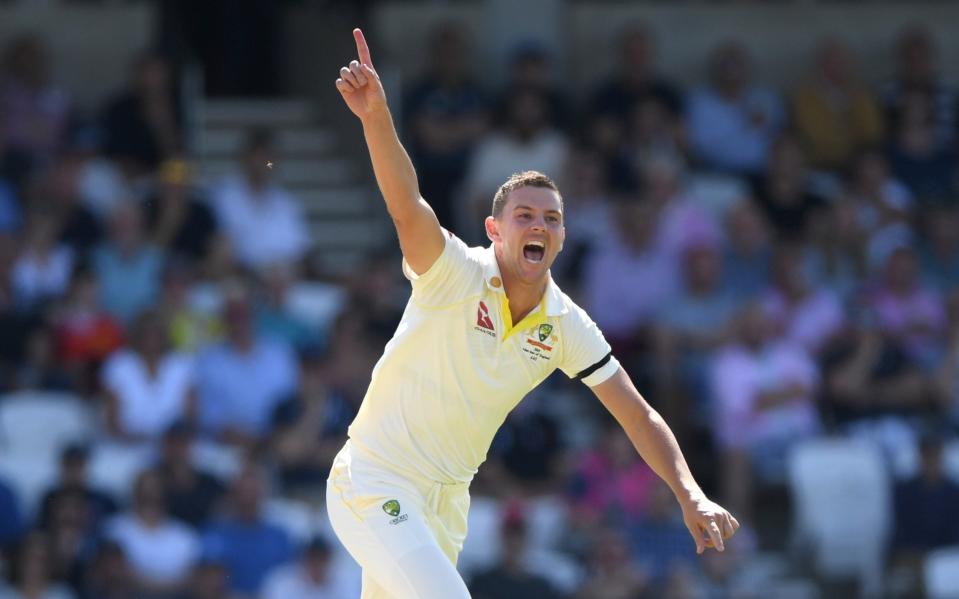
<point>842,494</point>
<point>941,573</point>
<point>113,467</point>
<point>34,422</point>
<point>30,476</point>
<point>296,518</point>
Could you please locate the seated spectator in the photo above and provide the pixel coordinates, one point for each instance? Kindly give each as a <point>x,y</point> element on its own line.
<point>192,323</point>
<point>40,369</point>
<point>242,540</point>
<point>177,219</point>
<point>56,194</point>
<point>783,192</point>
<point>312,577</point>
<point>31,576</point>
<point>808,316</point>
<point>85,333</point>
<point>74,460</point>
<point>148,386</point>
<point>309,430</point>
<point>142,125</point>
<point>191,494</point>
<point>73,531</point>
<point>654,130</point>
<point>908,313</point>
<point>659,539</point>
<point>917,72</point>
<point>13,524</point>
<point>109,575</point>
<point>732,121</point>
<point>530,67</point>
<point>880,199</point>
<point>272,313</point>
<point>161,550</point>
<point>209,580</point>
<point>611,483</point>
<point>512,577</point>
<point>42,270</point>
<point>527,451</point>
<point>35,112</point>
<point>833,255</point>
<point>764,390</point>
<point>523,138</point>
<point>923,509</point>
<point>242,379</point>
<point>445,113</point>
<point>635,80</point>
<point>748,252</point>
<point>128,266</point>
<point>834,112</point>
<point>939,251</point>
<point>613,574</point>
<point>916,157</point>
<point>260,218</point>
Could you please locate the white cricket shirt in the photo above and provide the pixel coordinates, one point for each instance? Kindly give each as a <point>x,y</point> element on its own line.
<point>456,366</point>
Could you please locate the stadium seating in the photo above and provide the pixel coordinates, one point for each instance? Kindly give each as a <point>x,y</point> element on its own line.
<point>40,422</point>
<point>843,514</point>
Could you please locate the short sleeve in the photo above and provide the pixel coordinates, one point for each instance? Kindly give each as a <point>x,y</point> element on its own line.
<point>586,354</point>
<point>450,278</point>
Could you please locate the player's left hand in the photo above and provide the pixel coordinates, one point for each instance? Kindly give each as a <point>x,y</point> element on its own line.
<point>709,523</point>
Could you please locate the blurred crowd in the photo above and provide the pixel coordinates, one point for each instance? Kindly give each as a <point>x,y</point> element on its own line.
<point>771,265</point>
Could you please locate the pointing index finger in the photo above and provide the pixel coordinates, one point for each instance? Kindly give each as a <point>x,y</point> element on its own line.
<point>362,49</point>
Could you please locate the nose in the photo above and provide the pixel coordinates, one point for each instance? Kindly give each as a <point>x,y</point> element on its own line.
<point>538,224</point>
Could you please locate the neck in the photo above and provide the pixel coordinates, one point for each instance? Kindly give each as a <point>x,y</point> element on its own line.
<point>523,296</point>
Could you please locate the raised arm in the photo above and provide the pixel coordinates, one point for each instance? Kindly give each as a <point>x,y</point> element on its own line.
<point>421,238</point>
<point>708,522</point>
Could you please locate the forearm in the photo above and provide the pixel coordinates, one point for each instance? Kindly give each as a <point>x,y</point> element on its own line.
<point>657,445</point>
<point>392,166</point>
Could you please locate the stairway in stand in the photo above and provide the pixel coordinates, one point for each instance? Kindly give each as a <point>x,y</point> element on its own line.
<point>343,210</point>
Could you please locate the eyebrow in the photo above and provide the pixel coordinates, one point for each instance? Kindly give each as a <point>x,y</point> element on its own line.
<point>523,207</point>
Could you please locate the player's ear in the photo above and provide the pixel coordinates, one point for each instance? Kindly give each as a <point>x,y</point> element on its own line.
<point>492,229</point>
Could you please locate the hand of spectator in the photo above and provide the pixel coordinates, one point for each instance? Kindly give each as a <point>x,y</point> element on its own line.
<point>709,523</point>
<point>359,84</point>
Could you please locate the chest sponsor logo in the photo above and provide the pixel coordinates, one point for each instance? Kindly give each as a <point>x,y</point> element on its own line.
<point>539,343</point>
<point>484,323</point>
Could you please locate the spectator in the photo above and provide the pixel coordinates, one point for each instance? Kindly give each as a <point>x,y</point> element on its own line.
<point>13,524</point>
<point>209,580</point>
<point>528,450</point>
<point>242,379</point>
<point>783,190</point>
<point>10,216</point>
<point>193,323</point>
<point>923,506</point>
<point>834,112</point>
<point>109,575</point>
<point>177,219</point>
<point>660,540</point>
<point>530,67</point>
<point>916,157</point>
<point>31,572</point>
<point>261,219</point>
<point>128,266</point>
<point>764,390</point>
<point>273,315</point>
<point>142,124</point>
<point>808,316</point>
<point>161,550</point>
<point>42,270</point>
<point>880,199</point>
<point>732,121</point>
<point>512,578</point>
<point>446,113</point>
<point>35,113</point>
<point>917,73</point>
<point>72,528</point>
<point>834,256</point>
<point>523,138</point>
<point>654,130</point>
<point>248,545</point>
<point>56,194</point>
<point>148,386</point>
<point>908,313</point>
<point>636,79</point>
<point>98,506</point>
<point>939,252</point>
<point>613,575</point>
<point>40,369</point>
<point>192,495</point>
<point>748,252</point>
<point>312,577</point>
<point>309,430</point>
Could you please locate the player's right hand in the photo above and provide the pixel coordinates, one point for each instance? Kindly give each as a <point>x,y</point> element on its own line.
<point>359,84</point>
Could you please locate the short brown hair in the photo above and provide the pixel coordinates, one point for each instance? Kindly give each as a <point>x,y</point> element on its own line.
<point>523,179</point>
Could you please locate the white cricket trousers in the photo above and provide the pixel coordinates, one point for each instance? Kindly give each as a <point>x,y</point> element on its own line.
<point>405,532</point>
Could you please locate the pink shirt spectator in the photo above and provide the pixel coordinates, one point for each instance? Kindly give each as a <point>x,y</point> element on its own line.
<point>917,318</point>
<point>601,486</point>
<point>809,322</point>
<point>740,376</point>
<point>34,120</point>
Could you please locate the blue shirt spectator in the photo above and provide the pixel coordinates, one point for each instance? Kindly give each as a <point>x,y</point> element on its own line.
<point>127,268</point>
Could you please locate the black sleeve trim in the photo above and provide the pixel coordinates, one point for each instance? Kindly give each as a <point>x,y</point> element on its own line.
<point>585,373</point>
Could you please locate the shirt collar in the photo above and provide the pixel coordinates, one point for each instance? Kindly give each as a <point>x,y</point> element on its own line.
<point>555,303</point>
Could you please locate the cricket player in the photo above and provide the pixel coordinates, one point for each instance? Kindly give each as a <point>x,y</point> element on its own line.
<point>482,328</point>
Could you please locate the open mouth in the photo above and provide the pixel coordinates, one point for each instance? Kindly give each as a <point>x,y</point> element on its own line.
<point>534,251</point>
